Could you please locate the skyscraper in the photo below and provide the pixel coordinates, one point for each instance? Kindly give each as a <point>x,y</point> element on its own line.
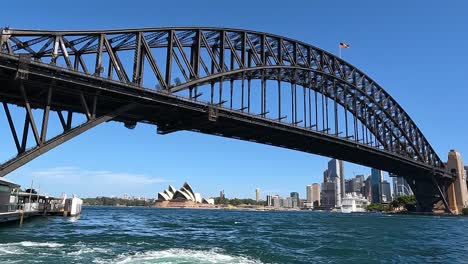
<point>359,184</point>
<point>257,194</point>
<point>276,201</point>
<point>349,185</point>
<point>376,185</point>
<point>367,190</point>
<point>335,174</point>
<point>269,200</point>
<point>294,199</point>
<point>401,187</point>
<point>316,194</point>
<point>355,185</point>
<point>309,191</point>
<point>386,192</point>
<point>328,195</point>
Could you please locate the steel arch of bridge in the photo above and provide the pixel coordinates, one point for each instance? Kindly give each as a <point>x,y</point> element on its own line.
<point>224,69</point>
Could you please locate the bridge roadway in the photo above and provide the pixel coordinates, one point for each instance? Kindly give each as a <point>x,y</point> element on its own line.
<point>34,84</point>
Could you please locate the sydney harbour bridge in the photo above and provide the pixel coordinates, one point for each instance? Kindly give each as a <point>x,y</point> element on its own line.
<point>233,83</point>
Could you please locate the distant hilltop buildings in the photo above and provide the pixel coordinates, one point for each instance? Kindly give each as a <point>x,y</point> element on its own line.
<point>184,197</point>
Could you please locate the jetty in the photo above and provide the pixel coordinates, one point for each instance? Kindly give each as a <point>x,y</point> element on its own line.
<point>17,205</point>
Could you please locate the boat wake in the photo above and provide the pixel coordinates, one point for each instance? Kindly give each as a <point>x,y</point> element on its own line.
<point>170,256</point>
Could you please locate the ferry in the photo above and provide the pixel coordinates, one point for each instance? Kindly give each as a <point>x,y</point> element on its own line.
<point>18,205</point>
<point>354,203</point>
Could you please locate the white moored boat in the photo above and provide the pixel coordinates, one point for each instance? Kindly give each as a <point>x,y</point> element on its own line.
<point>354,203</point>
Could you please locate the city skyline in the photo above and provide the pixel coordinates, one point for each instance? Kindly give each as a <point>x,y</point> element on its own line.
<point>143,162</point>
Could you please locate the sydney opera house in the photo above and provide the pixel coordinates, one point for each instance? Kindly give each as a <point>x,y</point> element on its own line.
<point>184,197</point>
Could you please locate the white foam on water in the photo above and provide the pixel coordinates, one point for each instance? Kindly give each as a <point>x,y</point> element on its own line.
<point>19,247</point>
<point>183,256</point>
<point>88,250</point>
<point>5,250</point>
<point>40,244</point>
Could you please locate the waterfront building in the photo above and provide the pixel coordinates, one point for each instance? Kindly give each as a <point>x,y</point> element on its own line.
<point>184,197</point>
<point>294,199</point>
<point>386,192</point>
<point>287,202</point>
<point>308,202</point>
<point>269,200</point>
<point>401,186</point>
<point>276,201</point>
<point>257,195</point>
<point>376,185</point>
<point>353,203</point>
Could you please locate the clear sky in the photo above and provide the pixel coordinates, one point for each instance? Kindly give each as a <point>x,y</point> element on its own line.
<point>416,50</point>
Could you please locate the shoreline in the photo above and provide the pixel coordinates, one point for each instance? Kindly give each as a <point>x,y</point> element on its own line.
<point>280,210</point>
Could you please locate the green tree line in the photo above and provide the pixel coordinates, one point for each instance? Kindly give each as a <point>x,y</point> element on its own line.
<point>237,201</point>
<point>108,201</point>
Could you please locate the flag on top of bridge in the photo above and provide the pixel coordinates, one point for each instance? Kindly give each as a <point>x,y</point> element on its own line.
<point>344,45</point>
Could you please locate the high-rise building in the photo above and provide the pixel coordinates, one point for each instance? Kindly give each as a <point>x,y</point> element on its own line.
<point>276,201</point>
<point>316,194</point>
<point>326,177</point>
<point>376,185</point>
<point>355,185</point>
<point>257,194</point>
<point>401,187</point>
<point>386,192</point>
<point>269,200</point>
<point>294,199</point>
<point>286,202</point>
<point>335,174</point>
<point>359,184</point>
<point>367,189</point>
<point>349,185</point>
<point>309,203</point>
<point>328,195</point>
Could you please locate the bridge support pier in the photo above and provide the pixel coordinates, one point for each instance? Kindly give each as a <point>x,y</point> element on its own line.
<point>457,190</point>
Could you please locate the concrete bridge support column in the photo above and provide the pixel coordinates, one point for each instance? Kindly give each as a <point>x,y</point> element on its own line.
<point>457,191</point>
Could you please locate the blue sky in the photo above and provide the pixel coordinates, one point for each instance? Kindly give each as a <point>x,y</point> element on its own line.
<point>416,50</point>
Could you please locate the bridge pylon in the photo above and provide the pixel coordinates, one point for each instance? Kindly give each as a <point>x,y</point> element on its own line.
<point>457,190</point>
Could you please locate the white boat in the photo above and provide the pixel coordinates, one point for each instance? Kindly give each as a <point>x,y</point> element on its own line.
<point>354,203</point>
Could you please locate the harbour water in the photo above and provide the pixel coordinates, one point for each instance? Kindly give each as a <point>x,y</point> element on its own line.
<point>149,235</point>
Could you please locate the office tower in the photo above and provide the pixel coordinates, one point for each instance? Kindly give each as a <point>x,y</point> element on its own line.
<point>294,199</point>
<point>367,189</point>
<point>335,173</point>
<point>359,184</point>
<point>349,185</point>
<point>326,177</point>
<point>269,200</point>
<point>386,192</point>
<point>276,201</point>
<point>309,191</point>
<point>328,195</point>
<point>401,187</point>
<point>376,185</point>
<point>257,194</point>
<point>315,194</point>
